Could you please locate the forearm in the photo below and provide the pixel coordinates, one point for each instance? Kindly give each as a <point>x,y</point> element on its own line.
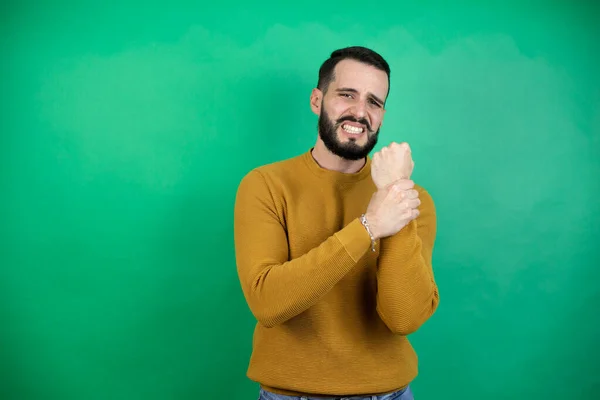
<point>277,291</point>
<point>407,293</point>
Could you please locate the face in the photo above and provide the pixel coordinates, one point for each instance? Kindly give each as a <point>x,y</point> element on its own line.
<point>352,109</point>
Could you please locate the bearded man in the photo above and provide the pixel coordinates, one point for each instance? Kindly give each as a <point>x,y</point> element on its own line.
<point>334,247</point>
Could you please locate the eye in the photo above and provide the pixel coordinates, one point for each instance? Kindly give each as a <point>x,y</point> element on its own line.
<point>373,102</point>
<point>347,95</point>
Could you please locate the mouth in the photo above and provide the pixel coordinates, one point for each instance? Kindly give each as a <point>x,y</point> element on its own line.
<point>353,129</point>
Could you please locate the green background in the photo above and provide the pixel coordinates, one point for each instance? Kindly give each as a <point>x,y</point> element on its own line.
<point>126,127</point>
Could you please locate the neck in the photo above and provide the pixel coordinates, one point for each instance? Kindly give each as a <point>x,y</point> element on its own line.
<point>326,159</point>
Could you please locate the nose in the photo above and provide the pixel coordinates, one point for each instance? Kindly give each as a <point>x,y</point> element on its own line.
<point>360,109</point>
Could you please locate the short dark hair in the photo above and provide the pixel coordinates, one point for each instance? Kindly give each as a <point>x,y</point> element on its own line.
<point>358,53</point>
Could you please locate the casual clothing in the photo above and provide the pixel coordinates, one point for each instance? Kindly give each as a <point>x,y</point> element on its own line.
<point>333,316</point>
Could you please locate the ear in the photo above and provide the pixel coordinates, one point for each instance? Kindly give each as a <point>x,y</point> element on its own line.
<point>316,97</point>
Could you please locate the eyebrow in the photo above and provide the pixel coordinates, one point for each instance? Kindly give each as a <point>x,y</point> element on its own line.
<point>377,99</point>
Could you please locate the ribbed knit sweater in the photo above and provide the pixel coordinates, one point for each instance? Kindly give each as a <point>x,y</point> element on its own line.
<point>332,316</point>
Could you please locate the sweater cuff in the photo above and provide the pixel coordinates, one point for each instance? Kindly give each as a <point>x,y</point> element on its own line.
<point>355,239</point>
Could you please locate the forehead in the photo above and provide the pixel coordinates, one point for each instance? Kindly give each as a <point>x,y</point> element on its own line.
<point>362,77</point>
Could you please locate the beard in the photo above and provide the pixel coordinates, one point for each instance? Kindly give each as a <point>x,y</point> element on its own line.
<point>349,150</point>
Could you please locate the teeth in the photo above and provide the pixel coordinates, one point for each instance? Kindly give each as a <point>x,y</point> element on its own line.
<point>352,129</point>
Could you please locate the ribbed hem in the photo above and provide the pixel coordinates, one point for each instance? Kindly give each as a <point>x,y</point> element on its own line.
<point>355,239</point>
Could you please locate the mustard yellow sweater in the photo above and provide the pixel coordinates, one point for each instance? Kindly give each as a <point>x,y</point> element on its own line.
<point>333,316</point>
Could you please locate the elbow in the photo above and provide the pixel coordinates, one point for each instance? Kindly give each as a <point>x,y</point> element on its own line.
<point>268,309</point>
<point>266,319</point>
<point>265,315</point>
<point>407,322</point>
<point>404,327</point>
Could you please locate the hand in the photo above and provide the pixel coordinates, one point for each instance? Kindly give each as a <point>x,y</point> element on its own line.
<point>392,163</point>
<point>392,208</point>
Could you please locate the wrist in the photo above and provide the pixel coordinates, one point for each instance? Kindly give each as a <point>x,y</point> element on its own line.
<point>371,230</point>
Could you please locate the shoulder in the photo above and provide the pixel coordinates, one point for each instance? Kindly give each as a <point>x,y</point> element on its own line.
<point>427,219</point>
<point>282,168</point>
<point>427,201</point>
<point>275,171</point>
<point>422,191</point>
<point>269,177</point>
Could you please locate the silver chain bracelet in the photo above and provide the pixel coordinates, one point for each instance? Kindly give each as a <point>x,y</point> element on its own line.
<point>363,220</point>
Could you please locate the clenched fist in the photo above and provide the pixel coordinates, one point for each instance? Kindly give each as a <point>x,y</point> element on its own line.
<point>391,164</point>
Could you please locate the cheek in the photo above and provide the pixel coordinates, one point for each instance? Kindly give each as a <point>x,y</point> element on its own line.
<point>336,111</point>
<point>375,121</point>
<point>338,107</point>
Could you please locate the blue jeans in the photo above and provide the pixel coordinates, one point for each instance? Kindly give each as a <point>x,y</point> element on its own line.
<point>404,394</point>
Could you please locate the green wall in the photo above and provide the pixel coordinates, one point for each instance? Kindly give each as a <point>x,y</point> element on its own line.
<point>126,128</point>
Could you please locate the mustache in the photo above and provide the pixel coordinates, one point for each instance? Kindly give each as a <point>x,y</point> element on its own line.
<point>352,119</point>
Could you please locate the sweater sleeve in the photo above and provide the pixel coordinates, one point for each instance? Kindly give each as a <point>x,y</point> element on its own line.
<point>407,292</point>
<point>275,287</point>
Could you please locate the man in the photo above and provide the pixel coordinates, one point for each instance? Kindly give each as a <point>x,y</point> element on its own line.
<point>334,250</point>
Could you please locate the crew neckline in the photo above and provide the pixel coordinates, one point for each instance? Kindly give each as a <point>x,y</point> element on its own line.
<point>336,176</point>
